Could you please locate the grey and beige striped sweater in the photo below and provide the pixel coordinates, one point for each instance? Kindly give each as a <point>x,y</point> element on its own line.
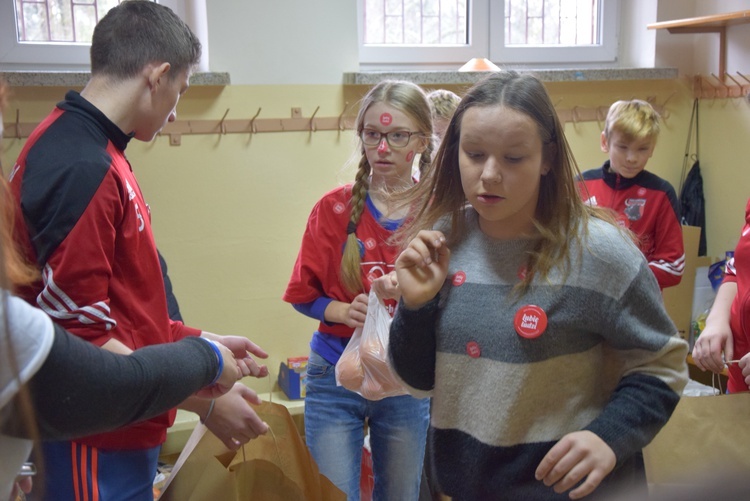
<point>609,361</point>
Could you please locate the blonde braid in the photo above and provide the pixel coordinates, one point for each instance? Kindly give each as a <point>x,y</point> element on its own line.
<point>351,260</point>
<point>425,159</point>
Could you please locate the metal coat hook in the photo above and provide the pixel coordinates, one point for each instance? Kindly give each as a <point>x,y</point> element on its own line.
<point>222,126</point>
<point>743,76</point>
<point>714,88</point>
<point>574,115</point>
<point>664,104</point>
<point>601,116</point>
<point>739,85</point>
<point>252,121</point>
<point>730,77</point>
<point>722,84</point>
<point>312,120</point>
<point>341,116</point>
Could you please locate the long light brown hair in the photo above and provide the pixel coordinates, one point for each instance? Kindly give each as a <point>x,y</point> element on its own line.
<point>410,99</point>
<point>15,272</point>
<point>559,211</point>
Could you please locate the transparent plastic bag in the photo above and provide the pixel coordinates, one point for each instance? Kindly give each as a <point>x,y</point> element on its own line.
<point>363,367</point>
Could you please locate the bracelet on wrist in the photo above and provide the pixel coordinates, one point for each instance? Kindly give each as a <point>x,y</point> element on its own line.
<point>219,358</point>
<point>210,410</point>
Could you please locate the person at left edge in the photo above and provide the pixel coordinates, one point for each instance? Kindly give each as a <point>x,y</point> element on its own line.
<point>85,223</point>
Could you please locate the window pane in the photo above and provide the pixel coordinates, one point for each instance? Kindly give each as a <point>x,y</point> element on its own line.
<point>61,25</point>
<point>551,22</point>
<point>34,21</point>
<point>415,22</point>
<point>85,20</point>
<point>60,21</point>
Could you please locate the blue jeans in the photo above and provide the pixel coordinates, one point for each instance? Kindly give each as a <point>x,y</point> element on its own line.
<point>334,432</point>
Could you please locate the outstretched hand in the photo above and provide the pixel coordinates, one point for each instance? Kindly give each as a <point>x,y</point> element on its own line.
<point>242,349</point>
<point>233,420</point>
<point>230,374</point>
<point>713,344</point>
<point>578,456</point>
<point>422,267</point>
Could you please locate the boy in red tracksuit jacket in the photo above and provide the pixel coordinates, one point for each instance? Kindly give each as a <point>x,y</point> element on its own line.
<point>644,202</point>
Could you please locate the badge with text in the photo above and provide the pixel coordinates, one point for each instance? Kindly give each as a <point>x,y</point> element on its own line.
<point>530,321</point>
<point>473,350</point>
<point>458,278</point>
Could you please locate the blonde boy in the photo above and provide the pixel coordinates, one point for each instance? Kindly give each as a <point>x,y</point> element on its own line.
<point>644,202</point>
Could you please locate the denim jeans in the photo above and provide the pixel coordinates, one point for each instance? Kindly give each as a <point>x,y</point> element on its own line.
<point>334,432</point>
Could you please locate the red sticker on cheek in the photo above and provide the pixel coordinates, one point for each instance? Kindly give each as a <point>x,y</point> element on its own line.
<point>410,156</point>
<point>386,119</point>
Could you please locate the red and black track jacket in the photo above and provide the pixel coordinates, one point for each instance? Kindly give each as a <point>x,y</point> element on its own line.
<point>84,221</point>
<point>648,206</point>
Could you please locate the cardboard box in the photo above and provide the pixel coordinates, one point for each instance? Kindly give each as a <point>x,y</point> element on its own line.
<point>293,380</point>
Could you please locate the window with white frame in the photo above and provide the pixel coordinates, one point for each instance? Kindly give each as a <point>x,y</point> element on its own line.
<point>55,35</point>
<point>517,32</point>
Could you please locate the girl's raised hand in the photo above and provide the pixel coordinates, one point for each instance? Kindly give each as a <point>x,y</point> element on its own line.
<point>422,267</point>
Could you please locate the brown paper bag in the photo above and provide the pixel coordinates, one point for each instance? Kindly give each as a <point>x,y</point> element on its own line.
<point>706,435</point>
<point>276,466</point>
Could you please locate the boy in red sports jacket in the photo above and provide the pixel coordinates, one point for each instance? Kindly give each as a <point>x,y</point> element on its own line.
<point>644,202</point>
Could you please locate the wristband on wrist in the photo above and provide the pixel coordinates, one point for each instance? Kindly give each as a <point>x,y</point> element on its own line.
<point>210,410</point>
<point>219,358</point>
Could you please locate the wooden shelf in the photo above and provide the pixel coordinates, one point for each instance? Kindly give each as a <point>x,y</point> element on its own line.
<point>703,24</point>
<point>716,23</point>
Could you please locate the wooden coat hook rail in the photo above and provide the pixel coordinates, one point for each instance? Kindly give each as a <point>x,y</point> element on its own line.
<point>712,87</point>
<point>255,125</point>
<point>578,114</point>
<point>258,124</point>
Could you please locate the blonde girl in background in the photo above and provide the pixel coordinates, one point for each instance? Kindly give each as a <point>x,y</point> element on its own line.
<point>444,104</point>
<point>534,323</point>
<point>345,252</point>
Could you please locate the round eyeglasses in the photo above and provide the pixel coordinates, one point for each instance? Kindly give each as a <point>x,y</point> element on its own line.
<point>395,139</point>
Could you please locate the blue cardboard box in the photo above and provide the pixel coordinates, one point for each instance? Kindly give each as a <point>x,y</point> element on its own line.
<point>292,380</point>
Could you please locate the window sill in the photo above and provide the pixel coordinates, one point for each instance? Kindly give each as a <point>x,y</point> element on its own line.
<point>79,78</point>
<point>470,77</point>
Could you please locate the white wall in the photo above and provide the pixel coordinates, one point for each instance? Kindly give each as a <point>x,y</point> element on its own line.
<point>637,42</point>
<point>301,42</point>
<point>698,53</point>
<point>738,39</point>
<point>283,41</point>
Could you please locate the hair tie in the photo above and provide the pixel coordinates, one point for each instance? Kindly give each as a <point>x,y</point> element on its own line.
<point>351,227</point>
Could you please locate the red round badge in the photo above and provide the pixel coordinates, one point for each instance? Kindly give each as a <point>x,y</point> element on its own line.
<point>522,272</point>
<point>472,349</point>
<point>459,278</point>
<point>530,321</point>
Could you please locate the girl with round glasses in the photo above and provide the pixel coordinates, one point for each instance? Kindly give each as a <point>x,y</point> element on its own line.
<point>345,252</point>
